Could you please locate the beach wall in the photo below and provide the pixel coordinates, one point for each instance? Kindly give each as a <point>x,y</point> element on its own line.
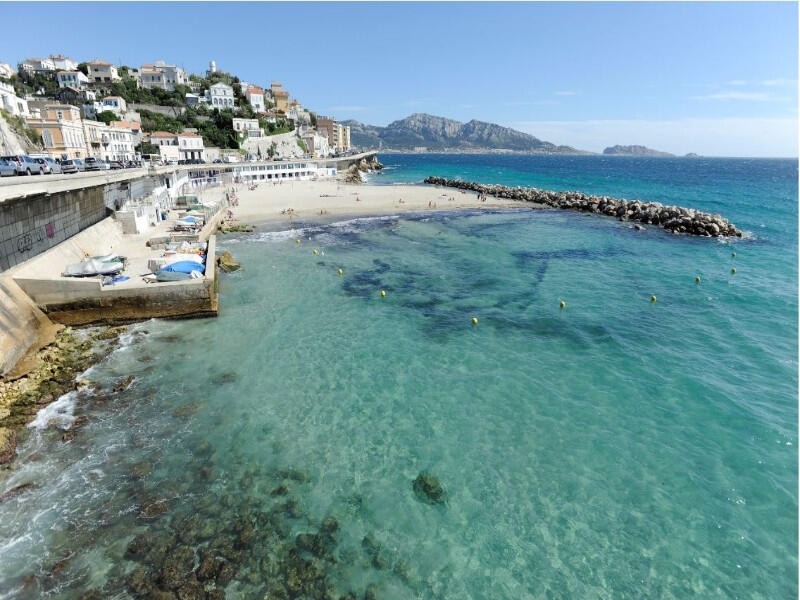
<point>24,328</point>
<point>33,224</point>
<point>76,301</point>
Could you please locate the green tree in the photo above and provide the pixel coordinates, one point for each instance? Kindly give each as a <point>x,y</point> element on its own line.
<point>147,148</point>
<point>84,68</point>
<point>106,116</point>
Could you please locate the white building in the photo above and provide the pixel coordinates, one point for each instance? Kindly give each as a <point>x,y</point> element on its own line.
<point>162,75</point>
<point>178,146</point>
<point>6,71</point>
<point>255,96</point>
<point>220,95</point>
<point>282,171</point>
<point>316,144</point>
<point>101,71</point>
<point>37,65</point>
<point>121,144</point>
<point>63,63</point>
<point>73,79</point>
<point>10,102</point>
<point>194,99</point>
<point>190,146</point>
<point>247,127</point>
<point>115,104</point>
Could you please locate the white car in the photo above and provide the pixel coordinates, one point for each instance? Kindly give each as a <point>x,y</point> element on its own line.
<point>50,165</point>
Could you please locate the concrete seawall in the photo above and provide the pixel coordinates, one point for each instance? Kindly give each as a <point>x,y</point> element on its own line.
<point>77,301</point>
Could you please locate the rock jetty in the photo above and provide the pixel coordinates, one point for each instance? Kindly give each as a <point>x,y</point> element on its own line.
<point>675,219</point>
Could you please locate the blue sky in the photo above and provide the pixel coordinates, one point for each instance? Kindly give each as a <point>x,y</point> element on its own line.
<point>712,78</point>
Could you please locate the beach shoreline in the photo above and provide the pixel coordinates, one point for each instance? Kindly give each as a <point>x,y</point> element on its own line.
<point>271,205</point>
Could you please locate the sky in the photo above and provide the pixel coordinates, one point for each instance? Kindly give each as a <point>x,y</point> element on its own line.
<point>718,79</point>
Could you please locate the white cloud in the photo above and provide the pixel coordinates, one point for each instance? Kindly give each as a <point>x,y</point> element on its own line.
<point>747,96</point>
<point>710,137</point>
<point>774,82</point>
<point>566,93</point>
<point>737,82</point>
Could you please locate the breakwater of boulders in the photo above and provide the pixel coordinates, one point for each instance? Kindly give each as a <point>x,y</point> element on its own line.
<point>675,219</point>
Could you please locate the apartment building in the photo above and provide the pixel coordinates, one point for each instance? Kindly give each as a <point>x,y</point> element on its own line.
<point>73,79</point>
<point>61,129</point>
<point>102,72</point>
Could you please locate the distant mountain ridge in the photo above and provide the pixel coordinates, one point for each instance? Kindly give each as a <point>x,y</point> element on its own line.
<point>433,133</point>
<point>634,151</point>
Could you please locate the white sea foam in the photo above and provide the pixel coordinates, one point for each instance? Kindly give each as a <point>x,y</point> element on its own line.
<point>60,413</point>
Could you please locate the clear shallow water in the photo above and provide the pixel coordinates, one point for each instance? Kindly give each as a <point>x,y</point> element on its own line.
<point>614,449</point>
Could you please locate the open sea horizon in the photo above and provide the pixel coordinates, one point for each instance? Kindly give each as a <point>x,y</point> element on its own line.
<point>614,448</point>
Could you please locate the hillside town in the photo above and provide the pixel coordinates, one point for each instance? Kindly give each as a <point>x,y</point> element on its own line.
<point>60,110</point>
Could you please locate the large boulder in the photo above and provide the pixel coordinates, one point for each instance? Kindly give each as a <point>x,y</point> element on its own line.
<point>227,263</point>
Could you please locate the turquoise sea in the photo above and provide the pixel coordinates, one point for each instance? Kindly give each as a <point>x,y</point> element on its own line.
<point>617,448</point>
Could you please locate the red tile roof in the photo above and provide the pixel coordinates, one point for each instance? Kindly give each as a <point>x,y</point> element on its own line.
<point>162,134</point>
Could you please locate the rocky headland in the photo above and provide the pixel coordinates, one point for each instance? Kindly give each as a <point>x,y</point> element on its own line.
<point>353,173</point>
<point>675,219</point>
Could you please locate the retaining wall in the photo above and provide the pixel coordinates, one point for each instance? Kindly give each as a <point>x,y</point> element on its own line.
<point>31,225</point>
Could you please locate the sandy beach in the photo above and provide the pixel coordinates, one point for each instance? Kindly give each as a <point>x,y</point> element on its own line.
<point>308,199</point>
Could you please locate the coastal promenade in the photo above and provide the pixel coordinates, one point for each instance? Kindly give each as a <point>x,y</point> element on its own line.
<point>19,187</point>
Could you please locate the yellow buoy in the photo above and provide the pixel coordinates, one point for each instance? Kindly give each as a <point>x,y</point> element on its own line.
<point>562,304</point>
<point>697,279</point>
<point>315,251</point>
<point>653,298</point>
<point>297,240</point>
<point>340,272</point>
<point>733,271</point>
<point>383,293</point>
<point>474,320</point>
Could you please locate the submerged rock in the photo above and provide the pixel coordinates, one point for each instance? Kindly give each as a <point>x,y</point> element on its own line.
<point>186,409</point>
<point>428,489</point>
<point>227,263</point>
<point>141,469</point>
<point>124,384</point>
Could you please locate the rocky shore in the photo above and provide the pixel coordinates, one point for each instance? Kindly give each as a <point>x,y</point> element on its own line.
<point>353,173</point>
<point>675,219</point>
<point>58,366</point>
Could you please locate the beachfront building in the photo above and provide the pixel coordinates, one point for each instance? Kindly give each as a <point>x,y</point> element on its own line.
<point>281,171</point>
<point>32,66</point>
<point>247,128</point>
<point>190,146</point>
<point>135,128</point>
<point>220,95</point>
<point>62,131</point>
<point>255,96</point>
<point>162,75</point>
<point>122,142</point>
<point>177,146</point>
<point>6,71</point>
<point>11,103</point>
<point>101,71</point>
<point>63,63</point>
<point>73,79</point>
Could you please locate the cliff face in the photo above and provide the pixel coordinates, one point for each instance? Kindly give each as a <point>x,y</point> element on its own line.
<point>11,142</point>
<point>439,133</point>
<point>634,151</point>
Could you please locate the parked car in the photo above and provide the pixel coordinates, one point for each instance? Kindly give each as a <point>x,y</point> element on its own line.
<point>24,165</point>
<point>115,164</point>
<point>73,165</point>
<point>49,164</point>
<point>93,163</point>
<point>6,168</point>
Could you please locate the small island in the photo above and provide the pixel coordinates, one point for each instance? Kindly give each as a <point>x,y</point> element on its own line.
<point>634,151</point>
